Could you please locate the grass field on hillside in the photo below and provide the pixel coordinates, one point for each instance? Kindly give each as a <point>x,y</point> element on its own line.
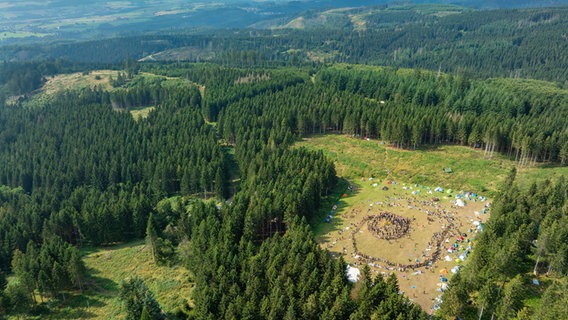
<point>355,158</point>
<point>107,267</point>
<point>100,78</point>
<point>358,158</point>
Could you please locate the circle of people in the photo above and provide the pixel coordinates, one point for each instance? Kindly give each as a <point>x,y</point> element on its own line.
<point>387,226</point>
<point>397,227</point>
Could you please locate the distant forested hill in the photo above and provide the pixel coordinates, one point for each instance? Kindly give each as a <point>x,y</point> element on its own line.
<point>32,21</point>
<point>518,43</point>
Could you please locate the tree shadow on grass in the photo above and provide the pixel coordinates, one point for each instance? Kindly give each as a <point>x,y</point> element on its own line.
<point>75,306</point>
<point>321,222</point>
<point>99,285</point>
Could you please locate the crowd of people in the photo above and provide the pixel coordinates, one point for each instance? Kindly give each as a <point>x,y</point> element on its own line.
<point>387,226</point>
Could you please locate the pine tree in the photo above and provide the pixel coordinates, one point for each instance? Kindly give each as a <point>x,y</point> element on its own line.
<point>513,294</point>
<point>136,297</point>
<point>152,238</point>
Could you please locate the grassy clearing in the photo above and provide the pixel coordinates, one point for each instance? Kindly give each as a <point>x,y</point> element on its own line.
<point>72,81</point>
<point>79,80</point>
<point>108,266</point>
<point>357,161</point>
<point>141,113</point>
<point>357,158</point>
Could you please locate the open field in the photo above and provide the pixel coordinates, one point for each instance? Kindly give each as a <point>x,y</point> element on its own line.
<point>79,81</point>
<point>357,158</point>
<point>141,113</point>
<point>108,266</point>
<point>402,183</point>
<point>71,81</point>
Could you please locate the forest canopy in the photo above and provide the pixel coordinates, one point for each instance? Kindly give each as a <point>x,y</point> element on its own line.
<point>206,175</point>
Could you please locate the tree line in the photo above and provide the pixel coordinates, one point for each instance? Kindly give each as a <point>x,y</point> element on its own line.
<point>524,239</point>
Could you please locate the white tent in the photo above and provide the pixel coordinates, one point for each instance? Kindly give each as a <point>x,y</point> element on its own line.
<point>352,273</point>
<point>460,203</point>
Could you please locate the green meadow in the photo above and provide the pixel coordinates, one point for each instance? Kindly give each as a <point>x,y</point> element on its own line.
<point>106,267</point>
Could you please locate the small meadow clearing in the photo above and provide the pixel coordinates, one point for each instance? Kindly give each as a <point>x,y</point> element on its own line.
<point>107,266</point>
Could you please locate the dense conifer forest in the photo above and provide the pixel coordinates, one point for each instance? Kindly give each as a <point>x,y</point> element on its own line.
<point>77,170</point>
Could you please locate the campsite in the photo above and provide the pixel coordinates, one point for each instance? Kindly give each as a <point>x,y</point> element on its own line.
<point>438,231</point>
<point>444,215</point>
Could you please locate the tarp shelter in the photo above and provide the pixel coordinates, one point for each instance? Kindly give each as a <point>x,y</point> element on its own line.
<point>448,170</point>
<point>352,273</point>
<point>439,189</point>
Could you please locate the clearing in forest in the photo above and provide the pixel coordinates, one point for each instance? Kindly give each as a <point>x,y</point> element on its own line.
<point>108,266</point>
<point>102,79</point>
<point>98,78</point>
<point>400,212</point>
